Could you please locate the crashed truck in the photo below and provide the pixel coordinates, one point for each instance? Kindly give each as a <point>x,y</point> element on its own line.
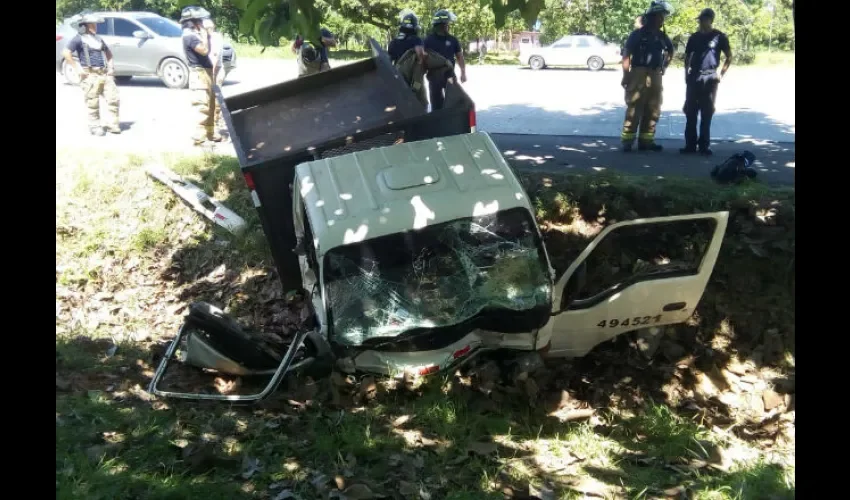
<point>412,239</point>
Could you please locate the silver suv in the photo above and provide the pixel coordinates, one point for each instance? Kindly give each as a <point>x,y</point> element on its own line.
<point>143,44</point>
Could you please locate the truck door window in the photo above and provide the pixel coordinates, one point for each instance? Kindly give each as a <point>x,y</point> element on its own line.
<point>636,253</point>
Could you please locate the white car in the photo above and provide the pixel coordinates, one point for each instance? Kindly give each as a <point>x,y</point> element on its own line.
<point>572,50</point>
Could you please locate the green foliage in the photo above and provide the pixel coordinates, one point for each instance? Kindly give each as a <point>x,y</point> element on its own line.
<point>751,24</point>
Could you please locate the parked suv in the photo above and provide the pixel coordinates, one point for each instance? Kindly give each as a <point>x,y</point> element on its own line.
<point>143,44</point>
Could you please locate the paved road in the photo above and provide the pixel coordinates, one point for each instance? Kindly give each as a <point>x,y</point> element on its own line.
<point>509,101</point>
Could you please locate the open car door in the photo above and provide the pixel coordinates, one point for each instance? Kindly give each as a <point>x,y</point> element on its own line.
<point>635,274</point>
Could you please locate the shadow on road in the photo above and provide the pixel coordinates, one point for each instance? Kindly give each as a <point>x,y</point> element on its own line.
<point>583,146</point>
<point>607,68</point>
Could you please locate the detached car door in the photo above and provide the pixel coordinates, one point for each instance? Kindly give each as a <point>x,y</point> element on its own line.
<point>635,274</point>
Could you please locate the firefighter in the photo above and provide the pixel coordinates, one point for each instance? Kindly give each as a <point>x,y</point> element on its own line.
<point>196,46</point>
<point>441,42</point>
<point>408,53</point>
<point>96,71</point>
<point>407,38</point>
<point>702,58</point>
<point>647,53</point>
<point>313,58</point>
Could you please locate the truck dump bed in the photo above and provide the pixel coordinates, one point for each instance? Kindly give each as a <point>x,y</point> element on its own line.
<point>297,114</point>
<point>350,108</point>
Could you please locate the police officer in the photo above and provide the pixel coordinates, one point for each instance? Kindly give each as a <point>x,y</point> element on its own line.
<point>96,71</point>
<point>702,57</point>
<point>407,38</point>
<point>647,53</point>
<point>196,45</point>
<point>441,42</point>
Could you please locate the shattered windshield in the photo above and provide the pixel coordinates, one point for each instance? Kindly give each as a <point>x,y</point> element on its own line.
<point>436,277</point>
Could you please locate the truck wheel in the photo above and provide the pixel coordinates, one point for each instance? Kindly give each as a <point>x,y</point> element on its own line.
<point>595,63</point>
<point>174,74</point>
<point>536,63</point>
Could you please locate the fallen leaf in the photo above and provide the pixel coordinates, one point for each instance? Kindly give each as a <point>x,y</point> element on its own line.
<point>408,489</point>
<point>358,492</point>
<point>250,466</point>
<point>286,495</point>
<point>227,386</point>
<point>398,422</point>
<point>482,449</point>
<point>590,487</point>
<point>567,415</point>
<point>544,493</point>
<point>772,399</point>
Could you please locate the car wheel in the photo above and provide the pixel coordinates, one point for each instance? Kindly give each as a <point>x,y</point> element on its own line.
<point>123,78</point>
<point>536,63</point>
<point>595,63</point>
<point>72,77</point>
<point>174,74</point>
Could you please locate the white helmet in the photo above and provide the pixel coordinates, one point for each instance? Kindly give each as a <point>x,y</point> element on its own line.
<point>80,21</point>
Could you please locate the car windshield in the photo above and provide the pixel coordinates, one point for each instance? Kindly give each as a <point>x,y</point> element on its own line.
<point>162,26</point>
<point>440,276</point>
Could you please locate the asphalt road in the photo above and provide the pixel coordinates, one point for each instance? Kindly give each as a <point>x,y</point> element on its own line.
<point>574,116</point>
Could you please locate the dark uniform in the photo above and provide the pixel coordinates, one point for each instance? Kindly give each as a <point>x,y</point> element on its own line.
<point>91,50</point>
<point>703,56</point>
<point>448,47</point>
<point>401,44</point>
<point>323,51</point>
<point>647,48</point>
<point>201,85</point>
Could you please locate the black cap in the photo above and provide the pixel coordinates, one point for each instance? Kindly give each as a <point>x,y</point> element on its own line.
<point>709,13</point>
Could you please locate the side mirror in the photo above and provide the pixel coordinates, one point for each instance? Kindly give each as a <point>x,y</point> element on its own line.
<point>141,34</point>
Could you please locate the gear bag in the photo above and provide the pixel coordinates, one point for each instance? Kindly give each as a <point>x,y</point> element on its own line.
<point>735,169</point>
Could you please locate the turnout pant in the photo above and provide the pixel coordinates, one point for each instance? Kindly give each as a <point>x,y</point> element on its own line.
<point>219,81</point>
<point>699,100</point>
<point>96,83</point>
<point>643,105</point>
<point>203,103</point>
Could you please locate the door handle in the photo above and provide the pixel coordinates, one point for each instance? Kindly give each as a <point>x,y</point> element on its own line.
<point>674,306</point>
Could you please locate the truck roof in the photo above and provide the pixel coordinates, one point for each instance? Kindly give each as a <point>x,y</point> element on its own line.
<point>368,194</point>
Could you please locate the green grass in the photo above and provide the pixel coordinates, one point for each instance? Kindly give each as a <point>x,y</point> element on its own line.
<point>253,51</point>
<point>128,254</point>
<point>779,58</point>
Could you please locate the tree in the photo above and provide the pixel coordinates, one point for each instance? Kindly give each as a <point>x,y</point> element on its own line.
<point>269,20</point>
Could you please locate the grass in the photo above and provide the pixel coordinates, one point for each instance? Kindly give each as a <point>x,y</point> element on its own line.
<point>253,51</point>
<point>128,256</point>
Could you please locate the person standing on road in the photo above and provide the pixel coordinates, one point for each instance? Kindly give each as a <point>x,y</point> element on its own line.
<point>647,54</point>
<point>217,58</point>
<point>196,45</point>
<point>96,70</point>
<point>441,42</point>
<point>702,57</point>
